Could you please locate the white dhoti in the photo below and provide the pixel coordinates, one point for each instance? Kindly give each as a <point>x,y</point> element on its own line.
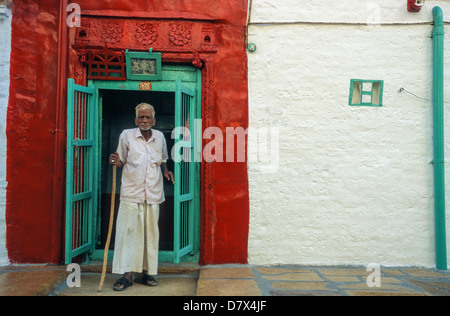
<point>137,238</point>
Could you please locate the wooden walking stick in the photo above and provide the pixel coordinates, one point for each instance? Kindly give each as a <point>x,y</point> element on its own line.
<point>111,220</point>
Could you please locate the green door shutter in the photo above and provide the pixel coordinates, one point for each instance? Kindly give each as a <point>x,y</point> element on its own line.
<point>184,172</point>
<point>81,176</point>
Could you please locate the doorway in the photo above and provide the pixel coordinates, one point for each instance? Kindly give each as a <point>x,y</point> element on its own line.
<point>177,102</point>
<point>117,115</point>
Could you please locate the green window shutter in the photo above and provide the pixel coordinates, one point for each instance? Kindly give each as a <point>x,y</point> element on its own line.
<point>81,175</point>
<point>184,166</point>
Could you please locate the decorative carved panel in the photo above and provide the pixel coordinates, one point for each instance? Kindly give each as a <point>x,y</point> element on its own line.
<point>180,34</point>
<point>146,33</point>
<point>139,34</point>
<point>112,33</point>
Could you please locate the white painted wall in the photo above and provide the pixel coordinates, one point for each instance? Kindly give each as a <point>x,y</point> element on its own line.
<point>354,185</point>
<point>5,50</point>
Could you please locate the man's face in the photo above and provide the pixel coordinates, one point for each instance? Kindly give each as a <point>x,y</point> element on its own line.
<point>145,120</point>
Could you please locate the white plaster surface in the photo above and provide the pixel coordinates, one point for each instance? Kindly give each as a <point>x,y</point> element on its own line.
<point>343,11</point>
<point>5,50</point>
<point>353,185</point>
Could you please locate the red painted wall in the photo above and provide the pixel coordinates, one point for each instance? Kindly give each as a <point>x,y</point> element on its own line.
<point>30,118</point>
<point>35,198</point>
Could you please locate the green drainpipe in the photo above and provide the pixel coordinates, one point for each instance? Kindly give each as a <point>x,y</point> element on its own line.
<point>438,138</point>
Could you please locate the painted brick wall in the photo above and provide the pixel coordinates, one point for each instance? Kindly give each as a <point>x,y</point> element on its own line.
<point>5,49</point>
<point>352,185</point>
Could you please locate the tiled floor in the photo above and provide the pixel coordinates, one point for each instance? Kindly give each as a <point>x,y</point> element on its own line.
<point>235,280</point>
<point>339,281</point>
<point>227,281</point>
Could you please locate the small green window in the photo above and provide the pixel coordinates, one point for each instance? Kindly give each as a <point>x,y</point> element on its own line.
<point>143,65</point>
<point>366,92</point>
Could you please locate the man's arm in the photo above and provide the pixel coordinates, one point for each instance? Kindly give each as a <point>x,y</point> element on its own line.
<point>167,174</point>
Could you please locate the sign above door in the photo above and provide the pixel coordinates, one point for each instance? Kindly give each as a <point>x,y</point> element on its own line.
<point>143,65</point>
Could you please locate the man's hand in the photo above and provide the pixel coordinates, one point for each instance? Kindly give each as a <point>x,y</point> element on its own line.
<point>169,176</point>
<point>115,160</point>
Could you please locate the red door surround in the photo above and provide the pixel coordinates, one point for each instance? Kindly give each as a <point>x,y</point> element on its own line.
<point>208,35</point>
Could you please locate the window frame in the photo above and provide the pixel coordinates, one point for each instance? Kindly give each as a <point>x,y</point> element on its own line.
<point>357,92</point>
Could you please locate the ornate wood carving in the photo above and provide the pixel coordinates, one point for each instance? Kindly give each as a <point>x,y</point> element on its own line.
<point>139,34</point>
<point>112,33</point>
<point>180,34</point>
<point>146,33</point>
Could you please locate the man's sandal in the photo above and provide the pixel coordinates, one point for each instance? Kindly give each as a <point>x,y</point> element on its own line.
<point>149,280</point>
<point>121,284</point>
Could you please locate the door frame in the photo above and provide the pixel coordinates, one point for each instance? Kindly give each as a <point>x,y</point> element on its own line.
<point>171,74</point>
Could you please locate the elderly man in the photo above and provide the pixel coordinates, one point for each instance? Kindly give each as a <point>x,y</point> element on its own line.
<point>142,152</point>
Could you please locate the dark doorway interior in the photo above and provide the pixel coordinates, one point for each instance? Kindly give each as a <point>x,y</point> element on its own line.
<point>118,113</point>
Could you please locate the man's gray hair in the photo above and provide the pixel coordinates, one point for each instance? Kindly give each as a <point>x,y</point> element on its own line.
<point>145,106</point>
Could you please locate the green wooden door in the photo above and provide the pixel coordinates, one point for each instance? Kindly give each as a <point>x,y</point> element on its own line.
<point>186,86</point>
<point>184,166</point>
<point>81,173</point>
